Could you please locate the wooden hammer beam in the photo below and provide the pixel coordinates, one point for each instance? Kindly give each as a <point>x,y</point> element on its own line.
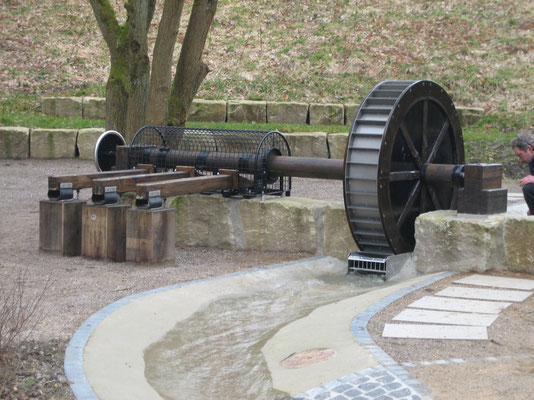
<point>123,184</point>
<point>152,193</point>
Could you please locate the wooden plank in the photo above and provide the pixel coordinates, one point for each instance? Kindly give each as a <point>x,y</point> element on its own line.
<point>125,184</point>
<point>83,181</point>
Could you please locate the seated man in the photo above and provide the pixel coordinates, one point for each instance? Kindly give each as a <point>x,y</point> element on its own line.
<point>522,148</point>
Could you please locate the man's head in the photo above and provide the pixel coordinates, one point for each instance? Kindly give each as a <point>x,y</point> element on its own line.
<point>523,150</point>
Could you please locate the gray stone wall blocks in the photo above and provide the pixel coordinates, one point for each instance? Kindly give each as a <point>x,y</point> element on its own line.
<point>327,114</point>
<point>14,142</point>
<point>239,111</point>
<point>86,141</point>
<point>480,242</point>
<point>287,113</point>
<point>308,144</point>
<point>62,106</point>
<point>518,232</point>
<point>469,115</point>
<point>247,111</point>
<point>337,143</point>
<point>278,224</point>
<point>350,113</point>
<point>94,107</point>
<point>208,110</point>
<point>53,143</point>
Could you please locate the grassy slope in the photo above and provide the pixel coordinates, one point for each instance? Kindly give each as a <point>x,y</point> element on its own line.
<point>314,51</point>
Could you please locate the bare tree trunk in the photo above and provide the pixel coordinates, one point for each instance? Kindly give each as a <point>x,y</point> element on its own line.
<point>140,14</point>
<point>191,70</point>
<point>117,86</point>
<point>160,79</point>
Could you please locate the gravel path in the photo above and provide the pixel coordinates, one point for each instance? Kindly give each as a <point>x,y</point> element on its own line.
<point>77,287</point>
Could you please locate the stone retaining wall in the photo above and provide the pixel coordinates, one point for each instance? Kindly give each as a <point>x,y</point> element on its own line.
<point>18,142</point>
<point>287,224</point>
<point>237,111</point>
<point>448,241</point>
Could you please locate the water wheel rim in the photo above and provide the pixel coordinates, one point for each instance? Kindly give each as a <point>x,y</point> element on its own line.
<point>400,126</point>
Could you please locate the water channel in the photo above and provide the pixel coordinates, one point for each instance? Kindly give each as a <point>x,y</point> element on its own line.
<point>216,353</point>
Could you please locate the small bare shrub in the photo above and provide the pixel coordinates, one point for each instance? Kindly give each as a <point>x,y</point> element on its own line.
<point>18,318</point>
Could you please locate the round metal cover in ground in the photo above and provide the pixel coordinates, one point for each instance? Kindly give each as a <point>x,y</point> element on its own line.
<point>105,150</point>
<point>307,358</point>
<point>399,127</point>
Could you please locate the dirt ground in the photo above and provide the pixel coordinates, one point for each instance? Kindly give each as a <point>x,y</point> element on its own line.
<point>75,288</point>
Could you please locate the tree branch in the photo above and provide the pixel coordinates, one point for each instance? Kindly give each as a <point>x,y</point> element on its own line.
<point>160,78</point>
<point>191,70</point>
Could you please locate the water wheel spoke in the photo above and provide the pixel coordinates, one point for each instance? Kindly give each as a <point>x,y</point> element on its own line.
<point>409,203</point>
<point>411,146</point>
<point>439,140</point>
<point>424,148</point>
<point>433,197</point>
<point>397,176</point>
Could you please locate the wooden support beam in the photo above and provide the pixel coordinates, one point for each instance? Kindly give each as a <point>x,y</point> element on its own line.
<point>123,184</point>
<point>177,187</point>
<point>83,181</point>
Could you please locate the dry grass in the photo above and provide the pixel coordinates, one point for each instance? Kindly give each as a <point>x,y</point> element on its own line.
<point>317,51</point>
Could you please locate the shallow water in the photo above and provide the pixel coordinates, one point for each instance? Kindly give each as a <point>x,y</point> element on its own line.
<point>216,353</point>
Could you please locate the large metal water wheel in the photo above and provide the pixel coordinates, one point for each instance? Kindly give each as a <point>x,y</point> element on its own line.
<point>400,129</point>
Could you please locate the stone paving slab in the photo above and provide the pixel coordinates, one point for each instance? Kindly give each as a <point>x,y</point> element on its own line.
<point>419,331</point>
<point>484,294</point>
<point>462,305</point>
<point>497,281</point>
<point>445,317</point>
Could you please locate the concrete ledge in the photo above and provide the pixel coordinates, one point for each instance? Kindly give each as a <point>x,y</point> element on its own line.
<point>337,143</point>
<point>247,111</point>
<point>208,110</point>
<point>448,241</point>
<point>277,224</point>
<point>53,143</point>
<point>350,112</point>
<point>238,111</point>
<point>86,141</point>
<point>14,142</point>
<point>469,115</point>
<point>327,114</point>
<point>62,106</point>
<point>287,113</point>
<point>308,144</point>
<point>94,107</point>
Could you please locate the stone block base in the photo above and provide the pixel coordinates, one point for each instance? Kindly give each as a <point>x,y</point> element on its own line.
<point>448,241</point>
<point>278,224</point>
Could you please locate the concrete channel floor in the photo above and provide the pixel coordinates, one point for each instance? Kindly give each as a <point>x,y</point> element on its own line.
<point>104,359</point>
